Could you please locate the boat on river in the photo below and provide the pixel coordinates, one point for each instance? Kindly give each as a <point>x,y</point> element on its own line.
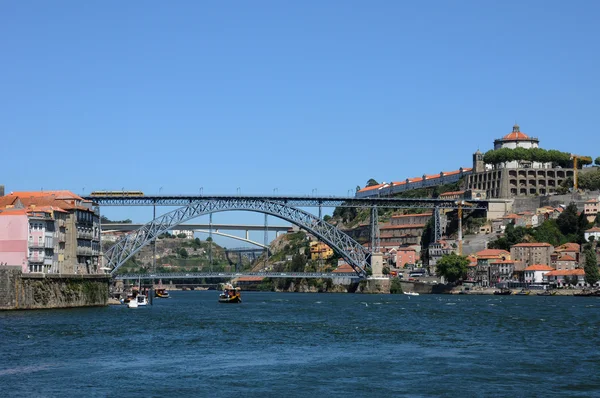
<point>161,293</point>
<point>503,292</point>
<point>411,293</point>
<point>230,294</point>
<point>523,292</point>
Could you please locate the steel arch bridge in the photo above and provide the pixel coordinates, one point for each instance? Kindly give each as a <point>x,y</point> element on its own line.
<point>354,253</point>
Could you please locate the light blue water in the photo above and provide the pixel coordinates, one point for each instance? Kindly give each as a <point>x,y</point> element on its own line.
<point>288,344</point>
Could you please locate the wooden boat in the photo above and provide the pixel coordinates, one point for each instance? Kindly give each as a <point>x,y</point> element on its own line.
<point>523,292</point>
<point>161,293</point>
<point>503,292</point>
<point>230,294</point>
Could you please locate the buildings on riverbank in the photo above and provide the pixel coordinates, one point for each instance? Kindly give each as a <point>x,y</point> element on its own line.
<point>50,232</point>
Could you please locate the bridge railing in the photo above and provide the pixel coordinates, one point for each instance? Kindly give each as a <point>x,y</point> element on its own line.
<point>231,275</point>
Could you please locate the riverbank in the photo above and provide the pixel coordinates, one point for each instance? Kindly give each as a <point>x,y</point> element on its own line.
<point>491,290</point>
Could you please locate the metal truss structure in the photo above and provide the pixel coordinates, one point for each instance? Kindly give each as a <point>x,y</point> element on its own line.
<point>437,222</point>
<point>242,252</point>
<point>354,253</point>
<point>230,275</point>
<point>292,201</point>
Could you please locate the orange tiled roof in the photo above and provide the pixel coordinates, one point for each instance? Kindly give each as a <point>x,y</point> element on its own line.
<point>566,257</point>
<point>413,215</point>
<point>542,244</point>
<point>250,279</point>
<point>539,267</point>
<point>407,226</point>
<point>516,135</point>
<point>503,262</point>
<point>452,193</point>
<point>565,272</point>
<point>492,252</point>
<point>13,212</point>
<point>417,179</point>
<point>568,247</point>
<point>344,268</point>
<point>595,229</point>
<point>592,201</point>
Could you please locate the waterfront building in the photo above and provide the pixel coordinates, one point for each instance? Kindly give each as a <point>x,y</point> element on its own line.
<point>406,255</point>
<point>516,178</point>
<point>485,274</point>
<point>570,249</point>
<point>563,278</point>
<point>436,250</point>
<point>535,273</point>
<point>500,271</point>
<point>71,221</point>
<point>526,254</point>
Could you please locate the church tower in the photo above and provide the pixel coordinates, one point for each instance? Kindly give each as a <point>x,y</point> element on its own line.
<point>478,164</point>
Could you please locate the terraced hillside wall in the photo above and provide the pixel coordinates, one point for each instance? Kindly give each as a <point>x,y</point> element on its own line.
<point>27,291</point>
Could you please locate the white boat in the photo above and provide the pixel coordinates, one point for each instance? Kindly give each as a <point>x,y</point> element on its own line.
<point>141,299</point>
<point>411,293</point>
<point>132,303</point>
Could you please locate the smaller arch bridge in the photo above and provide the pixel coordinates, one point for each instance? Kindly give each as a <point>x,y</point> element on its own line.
<point>353,252</point>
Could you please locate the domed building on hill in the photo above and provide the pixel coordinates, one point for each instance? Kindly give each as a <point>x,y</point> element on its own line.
<point>516,139</point>
<point>516,178</point>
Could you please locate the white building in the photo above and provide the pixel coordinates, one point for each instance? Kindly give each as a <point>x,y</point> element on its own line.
<point>535,273</point>
<point>189,234</point>
<point>517,139</point>
<point>592,232</point>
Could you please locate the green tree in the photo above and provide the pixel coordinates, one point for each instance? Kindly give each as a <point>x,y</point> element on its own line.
<point>452,267</point>
<point>395,286</point>
<point>385,270</point>
<point>183,253</point>
<point>597,161</point>
<point>568,220</point>
<point>372,182</point>
<point>298,263</point>
<point>592,275</point>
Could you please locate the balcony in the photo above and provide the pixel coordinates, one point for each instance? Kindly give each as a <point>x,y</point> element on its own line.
<point>37,245</point>
<point>84,251</point>
<point>84,235</point>
<point>35,259</point>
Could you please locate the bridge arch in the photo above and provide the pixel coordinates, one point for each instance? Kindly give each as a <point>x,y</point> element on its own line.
<point>353,252</point>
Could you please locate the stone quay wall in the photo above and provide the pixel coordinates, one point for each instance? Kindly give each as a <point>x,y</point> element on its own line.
<point>42,291</point>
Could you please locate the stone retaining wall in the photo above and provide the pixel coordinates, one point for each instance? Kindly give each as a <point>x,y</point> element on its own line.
<point>39,291</point>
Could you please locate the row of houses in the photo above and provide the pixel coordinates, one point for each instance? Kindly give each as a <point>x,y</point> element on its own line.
<point>49,232</point>
<point>529,263</point>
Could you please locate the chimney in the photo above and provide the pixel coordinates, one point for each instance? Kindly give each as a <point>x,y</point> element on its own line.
<point>1,190</point>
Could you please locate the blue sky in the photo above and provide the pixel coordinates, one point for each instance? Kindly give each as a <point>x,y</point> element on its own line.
<point>293,96</point>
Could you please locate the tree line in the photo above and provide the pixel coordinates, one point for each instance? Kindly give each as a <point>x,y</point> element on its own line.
<point>557,158</point>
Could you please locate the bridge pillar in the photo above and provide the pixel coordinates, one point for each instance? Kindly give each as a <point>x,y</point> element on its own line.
<point>377,265</point>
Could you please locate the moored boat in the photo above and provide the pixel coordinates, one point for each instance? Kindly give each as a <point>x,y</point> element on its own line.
<point>523,292</point>
<point>141,300</point>
<point>503,292</point>
<point>411,293</point>
<point>230,294</point>
<point>162,293</point>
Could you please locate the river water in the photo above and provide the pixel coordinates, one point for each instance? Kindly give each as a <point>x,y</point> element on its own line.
<point>293,344</point>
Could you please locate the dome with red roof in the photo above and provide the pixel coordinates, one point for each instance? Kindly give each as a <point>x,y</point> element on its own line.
<point>516,134</point>
<point>516,139</point>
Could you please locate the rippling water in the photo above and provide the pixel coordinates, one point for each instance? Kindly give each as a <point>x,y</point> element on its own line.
<point>289,344</point>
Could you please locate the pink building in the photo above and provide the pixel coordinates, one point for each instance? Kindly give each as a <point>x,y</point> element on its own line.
<point>14,237</point>
<point>406,255</point>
